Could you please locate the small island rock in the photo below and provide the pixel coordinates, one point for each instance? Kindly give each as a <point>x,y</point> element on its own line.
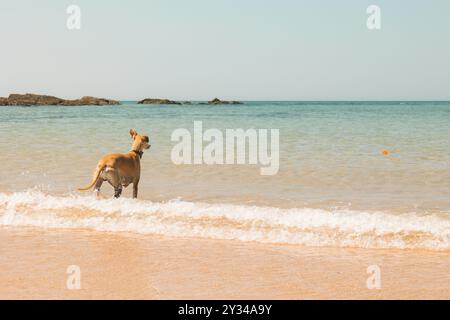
<point>90,101</point>
<point>158,101</point>
<point>30,99</point>
<point>217,101</point>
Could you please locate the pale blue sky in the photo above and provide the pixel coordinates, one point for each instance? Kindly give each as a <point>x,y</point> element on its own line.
<point>233,49</point>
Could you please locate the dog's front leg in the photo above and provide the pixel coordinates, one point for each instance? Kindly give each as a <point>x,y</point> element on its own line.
<point>135,189</point>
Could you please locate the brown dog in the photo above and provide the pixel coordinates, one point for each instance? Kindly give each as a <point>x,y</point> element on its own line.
<point>121,169</point>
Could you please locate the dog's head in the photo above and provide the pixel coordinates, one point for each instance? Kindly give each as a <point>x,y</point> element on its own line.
<point>140,142</point>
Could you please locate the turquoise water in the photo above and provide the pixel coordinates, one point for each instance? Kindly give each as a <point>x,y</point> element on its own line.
<point>330,153</point>
<point>331,160</point>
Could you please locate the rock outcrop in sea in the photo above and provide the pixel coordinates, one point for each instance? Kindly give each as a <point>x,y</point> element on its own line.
<point>3,101</point>
<point>90,101</point>
<point>158,101</point>
<point>217,101</point>
<point>30,99</point>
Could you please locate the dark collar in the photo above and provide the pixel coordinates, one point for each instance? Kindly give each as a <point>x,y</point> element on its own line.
<point>140,153</point>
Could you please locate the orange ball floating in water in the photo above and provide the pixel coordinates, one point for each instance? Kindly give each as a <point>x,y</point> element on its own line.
<point>385,152</point>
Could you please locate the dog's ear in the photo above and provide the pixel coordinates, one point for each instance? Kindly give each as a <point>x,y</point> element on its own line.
<point>133,133</point>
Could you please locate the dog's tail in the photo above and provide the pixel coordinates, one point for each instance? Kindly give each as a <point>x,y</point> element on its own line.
<point>94,181</point>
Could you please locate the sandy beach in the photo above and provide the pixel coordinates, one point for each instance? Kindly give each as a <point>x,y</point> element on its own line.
<point>34,262</point>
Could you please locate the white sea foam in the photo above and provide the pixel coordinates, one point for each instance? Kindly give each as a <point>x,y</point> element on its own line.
<point>304,226</point>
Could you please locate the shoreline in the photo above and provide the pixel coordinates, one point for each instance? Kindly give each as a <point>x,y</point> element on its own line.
<point>132,266</point>
<point>313,227</point>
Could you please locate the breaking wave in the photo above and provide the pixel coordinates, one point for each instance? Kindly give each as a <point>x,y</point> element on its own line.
<point>313,227</point>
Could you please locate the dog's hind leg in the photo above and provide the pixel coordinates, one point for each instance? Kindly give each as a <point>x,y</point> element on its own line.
<point>114,180</point>
<point>116,183</point>
<point>117,192</point>
<point>97,187</point>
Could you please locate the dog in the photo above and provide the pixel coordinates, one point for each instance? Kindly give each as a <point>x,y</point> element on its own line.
<point>121,169</point>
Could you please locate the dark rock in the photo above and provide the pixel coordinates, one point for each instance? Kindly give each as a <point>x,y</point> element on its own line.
<point>43,100</point>
<point>217,101</point>
<point>32,100</point>
<point>158,101</point>
<point>89,101</point>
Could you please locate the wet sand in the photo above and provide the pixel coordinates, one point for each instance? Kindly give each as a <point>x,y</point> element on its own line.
<point>34,262</point>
